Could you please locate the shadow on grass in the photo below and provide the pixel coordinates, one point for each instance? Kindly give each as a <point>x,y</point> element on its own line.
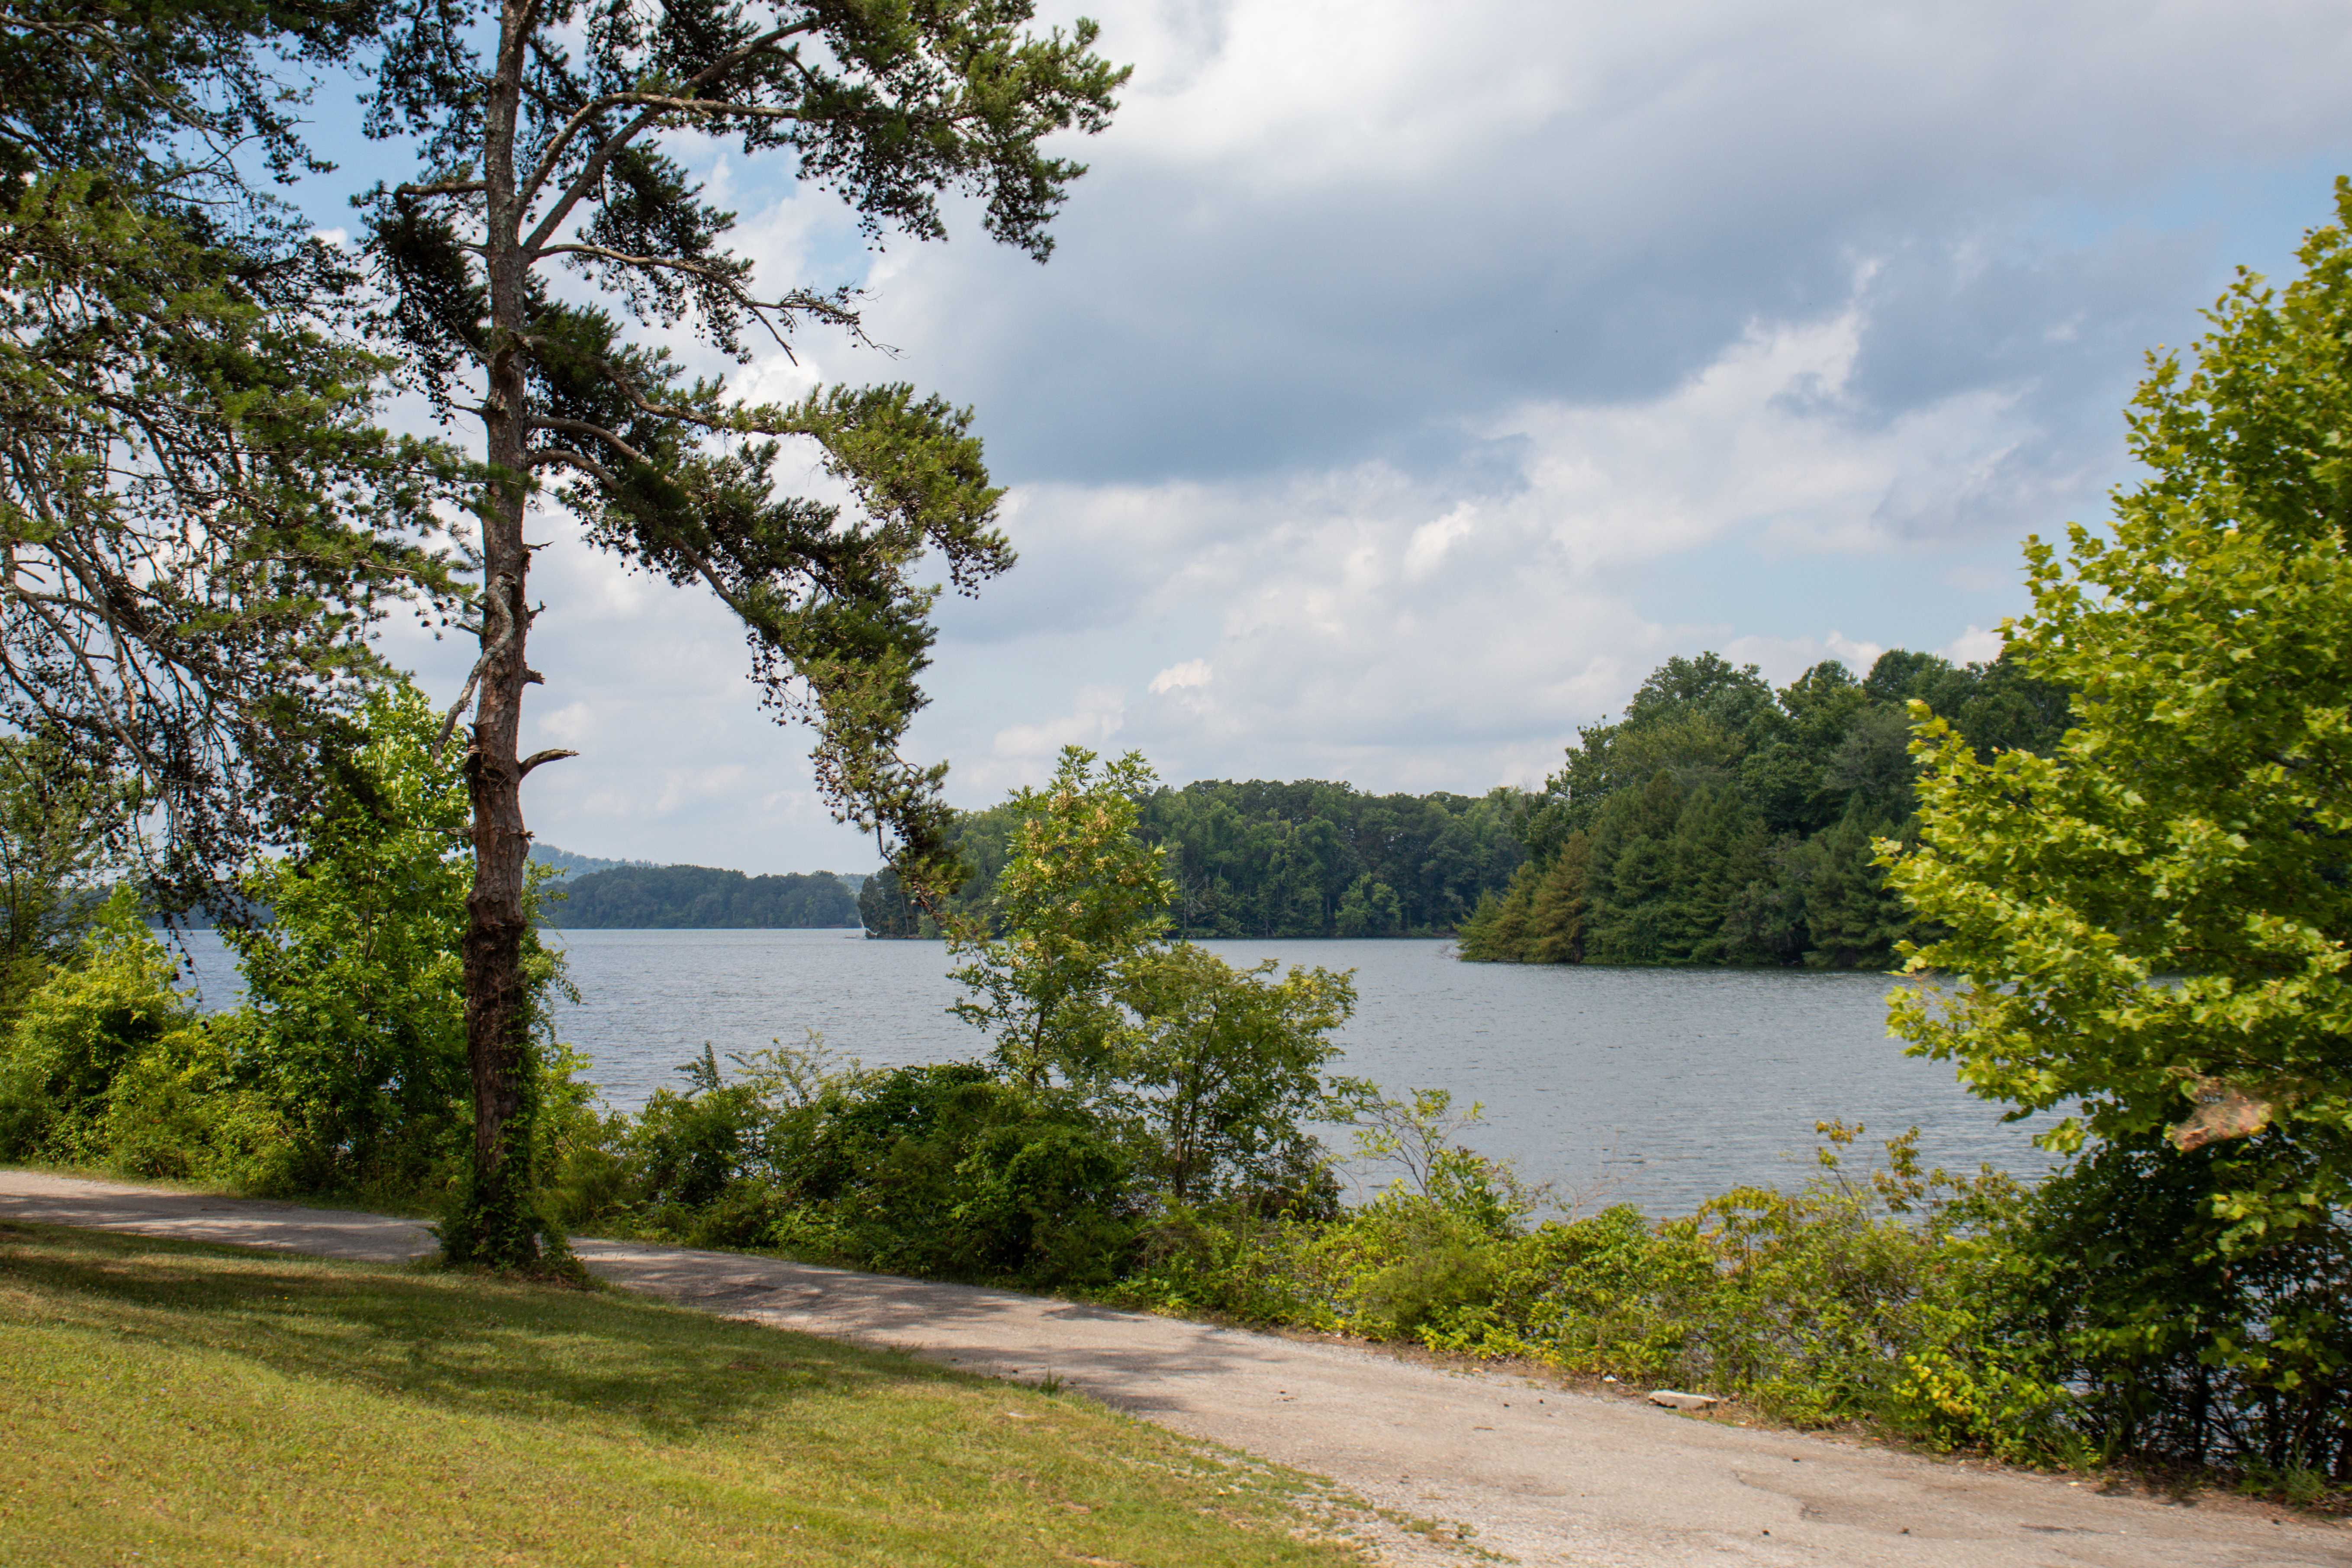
<point>464,1343</point>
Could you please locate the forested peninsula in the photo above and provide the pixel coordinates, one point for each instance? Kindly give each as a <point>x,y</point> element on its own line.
<point>1722,822</point>
<point>1260,858</point>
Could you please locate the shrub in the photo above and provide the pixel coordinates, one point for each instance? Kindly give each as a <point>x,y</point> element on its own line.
<point>1896,1297</point>
<point>946,1169</point>
<point>952,1169</point>
<point>1230,1259</point>
<point>108,1066</point>
<point>1404,1262</point>
<point>2181,1347</point>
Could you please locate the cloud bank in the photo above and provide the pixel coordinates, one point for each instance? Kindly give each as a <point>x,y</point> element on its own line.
<point>1411,379</point>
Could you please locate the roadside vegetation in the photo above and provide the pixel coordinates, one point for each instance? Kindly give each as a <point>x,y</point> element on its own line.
<point>2113,862</point>
<point>195,1404</point>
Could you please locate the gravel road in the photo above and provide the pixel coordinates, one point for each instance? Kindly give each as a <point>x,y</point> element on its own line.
<point>1542,1475</point>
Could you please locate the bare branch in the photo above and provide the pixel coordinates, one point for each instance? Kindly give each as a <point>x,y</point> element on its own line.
<point>593,170</point>
<point>583,427</point>
<point>713,108</point>
<point>582,461</point>
<point>552,754</point>
<point>443,188</point>
<point>497,600</point>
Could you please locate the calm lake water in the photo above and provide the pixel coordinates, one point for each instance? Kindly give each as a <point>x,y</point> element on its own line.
<point>1655,1087</point>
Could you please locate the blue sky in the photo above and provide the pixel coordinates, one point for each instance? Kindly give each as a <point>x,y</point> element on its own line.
<point>1411,378</point>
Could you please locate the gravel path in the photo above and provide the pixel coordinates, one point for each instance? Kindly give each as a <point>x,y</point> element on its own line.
<point>1542,1475</point>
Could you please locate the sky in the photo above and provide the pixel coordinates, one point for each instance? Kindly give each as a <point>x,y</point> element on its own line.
<point>1411,379</point>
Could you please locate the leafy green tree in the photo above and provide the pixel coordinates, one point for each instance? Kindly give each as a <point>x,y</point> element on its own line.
<point>1722,822</point>
<point>1853,919</point>
<point>2147,929</point>
<point>1369,907</point>
<point>1634,873</point>
<point>883,909</point>
<point>1273,860</point>
<point>1214,1068</point>
<point>553,135</point>
<point>355,1009</point>
<point>1223,1065</point>
<point>1081,899</point>
<point>1692,714</point>
<point>1788,773</point>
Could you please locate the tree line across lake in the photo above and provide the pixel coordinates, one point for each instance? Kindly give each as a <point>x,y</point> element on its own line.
<point>1719,821</point>
<point>1258,859</point>
<point>703,898</point>
<point>1722,822</point>
<point>1247,859</point>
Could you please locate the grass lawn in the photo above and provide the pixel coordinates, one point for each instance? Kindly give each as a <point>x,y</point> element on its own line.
<point>169,1403</point>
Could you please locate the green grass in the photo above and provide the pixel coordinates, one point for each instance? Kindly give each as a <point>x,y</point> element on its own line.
<point>166,1402</point>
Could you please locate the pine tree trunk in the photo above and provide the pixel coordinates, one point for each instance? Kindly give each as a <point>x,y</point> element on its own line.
<point>501,1226</point>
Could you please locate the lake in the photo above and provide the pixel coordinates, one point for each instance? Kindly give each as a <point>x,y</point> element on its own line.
<point>1649,1086</point>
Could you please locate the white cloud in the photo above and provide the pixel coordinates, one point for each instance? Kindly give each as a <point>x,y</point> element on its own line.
<point>1421,379</point>
<point>694,786</point>
<point>1373,625</point>
<point>1024,753</point>
<point>1974,646</point>
<point>1190,675</point>
<point>570,724</point>
<point>1431,540</point>
<point>1857,657</point>
<point>1782,659</point>
<point>1767,441</point>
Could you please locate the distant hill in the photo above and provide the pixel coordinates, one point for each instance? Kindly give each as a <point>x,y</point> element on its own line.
<point>575,865</point>
<point>667,898</point>
<point>564,860</point>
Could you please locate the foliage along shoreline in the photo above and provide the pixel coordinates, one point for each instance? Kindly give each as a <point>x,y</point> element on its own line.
<point>1722,823</point>
<point>698,898</point>
<point>1264,859</point>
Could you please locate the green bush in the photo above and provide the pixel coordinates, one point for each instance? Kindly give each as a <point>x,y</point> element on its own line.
<point>2181,1346</point>
<point>1404,1263</point>
<point>1608,1294</point>
<point>1829,1303</point>
<point>1228,1260</point>
<point>951,1170</point>
<point>107,1066</point>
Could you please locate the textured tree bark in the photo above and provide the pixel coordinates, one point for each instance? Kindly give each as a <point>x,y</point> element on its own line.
<point>503,1226</point>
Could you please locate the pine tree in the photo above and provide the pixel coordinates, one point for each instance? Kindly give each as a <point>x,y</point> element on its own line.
<point>554,213</point>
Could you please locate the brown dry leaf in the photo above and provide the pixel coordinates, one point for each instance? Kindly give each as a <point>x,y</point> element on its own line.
<point>2223,1112</point>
